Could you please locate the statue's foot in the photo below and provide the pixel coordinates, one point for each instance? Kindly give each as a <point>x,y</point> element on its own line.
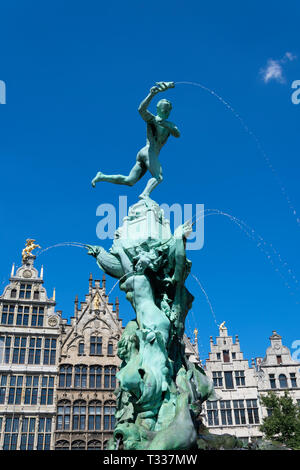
<point>97,178</point>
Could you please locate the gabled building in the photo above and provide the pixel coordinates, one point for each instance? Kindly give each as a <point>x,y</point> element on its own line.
<point>29,352</point>
<point>278,372</point>
<point>237,411</point>
<point>87,372</point>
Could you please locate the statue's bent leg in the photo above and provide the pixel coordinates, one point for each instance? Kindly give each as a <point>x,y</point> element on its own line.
<point>135,175</point>
<point>156,171</point>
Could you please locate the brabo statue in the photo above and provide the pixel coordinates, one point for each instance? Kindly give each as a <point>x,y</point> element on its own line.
<point>158,132</point>
<point>160,391</point>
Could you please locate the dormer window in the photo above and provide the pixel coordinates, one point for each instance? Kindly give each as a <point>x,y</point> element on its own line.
<point>25,291</point>
<point>226,357</point>
<point>279,359</point>
<point>36,295</point>
<point>13,293</point>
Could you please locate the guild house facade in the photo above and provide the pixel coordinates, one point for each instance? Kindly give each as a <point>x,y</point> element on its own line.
<point>57,378</point>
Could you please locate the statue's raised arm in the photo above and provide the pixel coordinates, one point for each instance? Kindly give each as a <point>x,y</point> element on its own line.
<point>143,107</point>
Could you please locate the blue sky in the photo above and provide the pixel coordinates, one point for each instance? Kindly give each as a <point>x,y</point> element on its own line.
<point>75,74</point>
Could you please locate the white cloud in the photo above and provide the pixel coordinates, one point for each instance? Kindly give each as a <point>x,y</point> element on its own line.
<point>274,68</point>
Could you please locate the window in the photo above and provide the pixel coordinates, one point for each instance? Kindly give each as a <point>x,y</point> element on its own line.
<point>239,411</point>
<point>47,390</point>
<point>252,411</point>
<point>37,317</point>
<point>36,295</point>
<point>212,413</point>
<point>96,346</point>
<point>65,377</point>
<point>81,349</point>
<point>240,378</point>
<point>110,348</point>
<point>15,390</point>
<point>7,314</point>
<point>79,415</point>
<point>49,351</point>
<point>27,436</point>
<point>94,445</point>
<point>62,445</point>
<point>228,380</point>
<point>80,377</point>
<point>282,381</point>
<point>3,382</point>
<point>22,315</point>
<point>226,412</point>
<point>63,416</point>
<point>109,415</point>
<point>35,347</point>
<point>13,294</point>
<point>217,379</point>
<point>78,445</point>
<point>293,380</point>
<point>95,376</point>
<point>110,377</point>
<point>233,355</point>
<point>11,433</point>
<point>226,357</point>
<point>25,291</point>
<point>94,420</point>
<point>218,356</point>
<point>272,380</point>
<point>44,434</point>
<point>5,345</point>
<point>31,390</point>
<point>279,359</point>
<point>19,350</point>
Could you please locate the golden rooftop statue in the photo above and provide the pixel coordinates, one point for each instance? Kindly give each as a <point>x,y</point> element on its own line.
<point>196,333</point>
<point>30,246</point>
<point>97,302</point>
<point>222,326</point>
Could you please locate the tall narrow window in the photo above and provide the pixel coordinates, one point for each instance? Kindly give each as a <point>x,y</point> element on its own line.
<point>79,415</point>
<point>65,377</point>
<point>11,433</point>
<point>110,376</point>
<point>63,415</point>
<point>252,411</point>
<point>44,434</point>
<point>293,380</point>
<point>3,383</point>
<point>239,411</point>
<point>212,413</point>
<point>226,357</point>
<point>95,376</point>
<point>15,389</point>
<point>94,423</point>
<point>282,381</point>
<point>81,349</point>
<point>31,390</point>
<point>35,348</point>
<point>80,380</point>
<point>47,390</point>
<point>19,350</point>
<point>217,378</point>
<point>109,415</point>
<point>22,315</point>
<point>240,378</point>
<point>226,412</point>
<point>272,380</point>
<point>110,348</point>
<point>27,436</point>
<point>228,380</point>
<point>49,351</point>
<point>37,318</point>
<point>279,359</point>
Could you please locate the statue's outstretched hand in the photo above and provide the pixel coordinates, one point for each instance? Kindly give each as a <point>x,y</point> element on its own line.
<point>161,86</point>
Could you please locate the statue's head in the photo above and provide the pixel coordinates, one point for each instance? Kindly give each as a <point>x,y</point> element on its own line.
<point>164,108</point>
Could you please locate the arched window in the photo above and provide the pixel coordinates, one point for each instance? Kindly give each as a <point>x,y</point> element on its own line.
<point>109,415</point>
<point>110,377</point>
<point>282,381</point>
<point>65,376</point>
<point>110,348</point>
<point>95,409</point>
<point>78,445</point>
<point>94,445</point>
<point>81,348</point>
<point>80,376</point>
<point>13,293</point>
<point>63,415</point>
<point>62,445</point>
<point>95,376</point>
<point>79,415</point>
